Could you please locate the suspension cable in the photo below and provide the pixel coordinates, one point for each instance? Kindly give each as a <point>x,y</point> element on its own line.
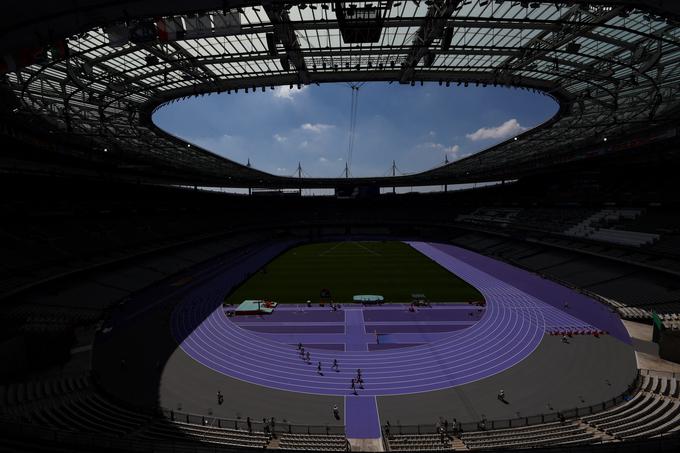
<point>354,107</point>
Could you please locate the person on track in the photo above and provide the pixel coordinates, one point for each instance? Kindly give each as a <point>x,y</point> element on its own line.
<point>336,412</point>
<point>335,366</point>
<point>318,369</point>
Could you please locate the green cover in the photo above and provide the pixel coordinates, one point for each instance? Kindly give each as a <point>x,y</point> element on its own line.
<point>256,306</point>
<point>657,327</point>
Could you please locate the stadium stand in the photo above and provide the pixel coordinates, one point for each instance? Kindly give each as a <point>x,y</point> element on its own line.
<point>164,430</point>
<point>420,442</point>
<point>313,442</point>
<point>653,411</point>
<point>558,433</point>
<point>20,393</point>
<point>72,404</point>
<point>76,406</point>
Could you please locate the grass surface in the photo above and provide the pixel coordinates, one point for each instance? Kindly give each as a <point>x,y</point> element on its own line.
<point>393,270</point>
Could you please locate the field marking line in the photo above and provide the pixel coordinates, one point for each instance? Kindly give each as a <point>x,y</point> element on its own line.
<point>367,249</point>
<point>337,244</point>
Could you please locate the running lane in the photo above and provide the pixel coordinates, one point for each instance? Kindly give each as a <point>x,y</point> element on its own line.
<point>361,412</point>
<point>355,332</point>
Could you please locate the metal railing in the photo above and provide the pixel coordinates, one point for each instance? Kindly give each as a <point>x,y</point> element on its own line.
<point>661,373</point>
<point>548,417</point>
<point>278,427</point>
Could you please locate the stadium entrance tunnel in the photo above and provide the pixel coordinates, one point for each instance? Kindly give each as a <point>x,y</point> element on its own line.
<point>190,349</point>
<point>362,129</point>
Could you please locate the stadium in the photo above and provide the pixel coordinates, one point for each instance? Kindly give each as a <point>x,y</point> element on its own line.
<point>157,296</point>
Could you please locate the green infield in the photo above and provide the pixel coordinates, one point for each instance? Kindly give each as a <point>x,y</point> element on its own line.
<point>391,269</point>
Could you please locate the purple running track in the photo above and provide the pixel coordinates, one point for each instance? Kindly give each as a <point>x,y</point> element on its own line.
<point>422,315</point>
<point>299,315</point>
<point>552,294</point>
<point>296,329</point>
<point>361,418</point>
<point>510,328</point>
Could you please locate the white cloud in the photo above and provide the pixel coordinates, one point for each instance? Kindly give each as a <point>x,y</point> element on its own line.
<point>304,144</point>
<point>316,128</point>
<point>287,93</point>
<point>281,169</point>
<point>451,150</point>
<point>280,138</point>
<point>323,160</point>
<point>505,130</point>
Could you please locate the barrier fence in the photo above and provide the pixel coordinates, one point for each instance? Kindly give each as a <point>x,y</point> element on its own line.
<point>517,422</point>
<point>278,427</point>
<point>662,374</point>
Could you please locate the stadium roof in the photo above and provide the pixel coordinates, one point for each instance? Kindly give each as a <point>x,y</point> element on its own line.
<point>613,69</point>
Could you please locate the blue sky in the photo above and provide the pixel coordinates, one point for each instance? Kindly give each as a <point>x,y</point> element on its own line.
<point>415,126</point>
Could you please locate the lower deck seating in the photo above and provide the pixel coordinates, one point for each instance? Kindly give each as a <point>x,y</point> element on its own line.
<point>164,430</point>
<point>89,412</point>
<point>571,433</point>
<point>653,411</point>
<point>86,411</point>
<point>419,442</point>
<point>35,390</point>
<point>313,442</point>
